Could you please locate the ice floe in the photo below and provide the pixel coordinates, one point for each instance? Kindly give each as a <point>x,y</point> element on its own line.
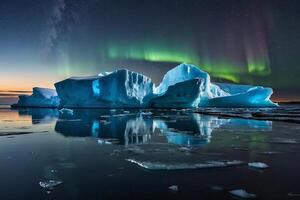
<point>185,166</point>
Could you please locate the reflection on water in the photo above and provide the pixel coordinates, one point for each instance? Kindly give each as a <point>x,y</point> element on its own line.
<point>138,127</point>
<point>88,150</point>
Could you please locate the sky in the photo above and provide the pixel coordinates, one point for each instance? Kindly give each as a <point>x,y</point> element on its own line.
<point>241,41</point>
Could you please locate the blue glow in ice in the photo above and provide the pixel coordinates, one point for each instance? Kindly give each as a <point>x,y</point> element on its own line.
<point>96,88</point>
<point>95,128</point>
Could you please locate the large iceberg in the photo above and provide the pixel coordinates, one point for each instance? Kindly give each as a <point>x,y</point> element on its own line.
<point>121,88</point>
<point>184,86</point>
<point>41,97</point>
<point>215,94</point>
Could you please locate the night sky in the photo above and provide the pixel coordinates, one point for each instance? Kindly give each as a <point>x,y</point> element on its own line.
<point>242,41</point>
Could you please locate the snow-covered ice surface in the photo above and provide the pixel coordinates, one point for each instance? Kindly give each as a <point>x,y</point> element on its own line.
<point>41,97</point>
<point>173,153</point>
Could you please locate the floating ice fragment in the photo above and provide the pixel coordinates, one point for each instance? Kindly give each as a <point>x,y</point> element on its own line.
<point>242,194</point>
<point>258,165</point>
<point>282,141</point>
<point>103,141</point>
<point>185,166</point>
<point>66,111</point>
<point>173,188</point>
<point>49,185</point>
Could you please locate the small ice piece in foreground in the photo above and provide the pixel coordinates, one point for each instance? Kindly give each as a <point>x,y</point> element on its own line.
<point>258,165</point>
<point>185,166</point>
<point>103,141</point>
<point>242,194</point>
<point>173,188</point>
<point>66,111</point>
<point>216,188</point>
<point>49,185</point>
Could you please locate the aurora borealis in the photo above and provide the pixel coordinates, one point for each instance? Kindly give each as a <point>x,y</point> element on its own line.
<point>246,41</point>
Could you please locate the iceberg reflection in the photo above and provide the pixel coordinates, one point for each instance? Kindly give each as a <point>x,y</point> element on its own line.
<point>139,127</point>
<point>188,129</point>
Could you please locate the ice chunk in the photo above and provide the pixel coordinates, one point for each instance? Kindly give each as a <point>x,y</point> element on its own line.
<point>184,166</point>
<point>258,165</point>
<point>49,185</point>
<point>121,88</point>
<point>103,141</point>
<point>173,188</point>
<point>66,111</point>
<point>41,97</point>
<point>242,194</point>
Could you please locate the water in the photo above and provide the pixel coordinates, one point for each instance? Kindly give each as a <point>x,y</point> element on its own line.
<point>85,155</point>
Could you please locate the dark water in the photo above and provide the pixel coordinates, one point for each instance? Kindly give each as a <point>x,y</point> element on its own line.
<point>87,151</point>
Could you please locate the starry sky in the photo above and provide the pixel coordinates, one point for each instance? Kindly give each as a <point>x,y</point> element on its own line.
<point>241,41</point>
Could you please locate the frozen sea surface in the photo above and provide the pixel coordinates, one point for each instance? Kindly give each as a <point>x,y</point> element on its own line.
<point>140,154</point>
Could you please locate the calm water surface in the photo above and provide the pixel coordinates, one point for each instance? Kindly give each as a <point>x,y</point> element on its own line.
<point>87,151</point>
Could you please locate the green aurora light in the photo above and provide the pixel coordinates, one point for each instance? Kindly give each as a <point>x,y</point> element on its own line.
<point>183,54</point>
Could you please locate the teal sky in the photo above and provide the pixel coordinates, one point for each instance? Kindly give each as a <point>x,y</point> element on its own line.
<point>251,42</point>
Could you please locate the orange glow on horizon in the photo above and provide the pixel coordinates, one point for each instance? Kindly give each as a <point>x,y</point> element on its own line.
<point>25,84</point>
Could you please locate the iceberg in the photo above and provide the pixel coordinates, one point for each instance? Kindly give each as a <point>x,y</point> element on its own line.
<point>121,88</point>
<point>215,94</point>
<point>41,97</point>
<point>185,86</point>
